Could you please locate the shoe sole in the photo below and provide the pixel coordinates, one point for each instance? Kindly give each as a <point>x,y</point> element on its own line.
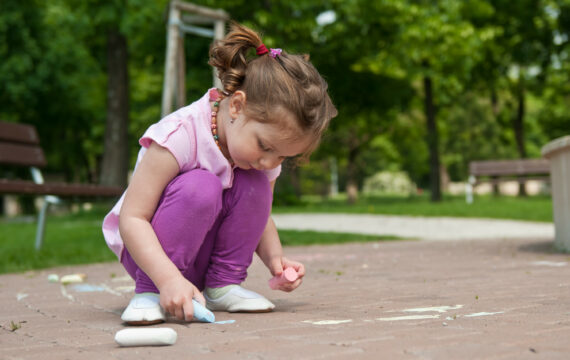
<point>230,310</point>
<point>252,311</point>
<point>144,322</point>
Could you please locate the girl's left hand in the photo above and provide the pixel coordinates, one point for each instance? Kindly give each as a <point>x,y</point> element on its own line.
<point>277,266</point>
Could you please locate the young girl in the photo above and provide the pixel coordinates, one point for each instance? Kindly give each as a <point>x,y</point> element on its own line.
<point>198,204</point>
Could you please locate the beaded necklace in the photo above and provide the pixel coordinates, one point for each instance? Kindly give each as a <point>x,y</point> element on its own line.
<point>217,99</point>
<point>215,120</point>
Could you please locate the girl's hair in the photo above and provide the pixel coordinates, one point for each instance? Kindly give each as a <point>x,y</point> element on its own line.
<point>272,84</point>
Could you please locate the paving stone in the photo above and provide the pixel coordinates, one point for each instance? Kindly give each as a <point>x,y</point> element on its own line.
<point>464,299</point>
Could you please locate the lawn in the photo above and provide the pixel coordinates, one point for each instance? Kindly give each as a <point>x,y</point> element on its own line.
<point>532,208</point>
<point>77,238</point>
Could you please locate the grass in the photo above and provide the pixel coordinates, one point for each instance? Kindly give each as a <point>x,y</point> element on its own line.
<point>77,238</point>
<point>532,208</point>
<point>69,240</point>
<point>295,238</point>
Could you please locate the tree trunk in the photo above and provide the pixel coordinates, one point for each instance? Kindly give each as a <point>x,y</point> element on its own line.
<point>433,141</point>
<point>518,125</point>
<point>115,165</point>
<point>294,177</point>
<point>351,181</point>
<point>495,109</point>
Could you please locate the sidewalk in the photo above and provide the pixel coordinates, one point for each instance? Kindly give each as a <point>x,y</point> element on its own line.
<point>450,299</point>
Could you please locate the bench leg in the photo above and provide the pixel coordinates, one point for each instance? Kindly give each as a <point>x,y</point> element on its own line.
<point>469,190</point>
<point>468,193</point>
<point>41,225</point>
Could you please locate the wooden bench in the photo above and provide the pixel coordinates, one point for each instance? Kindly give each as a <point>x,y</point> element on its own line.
<point>497,171</point>
<point>20,146</point>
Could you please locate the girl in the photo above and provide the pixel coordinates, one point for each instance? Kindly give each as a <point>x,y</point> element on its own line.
<point>199,201</point>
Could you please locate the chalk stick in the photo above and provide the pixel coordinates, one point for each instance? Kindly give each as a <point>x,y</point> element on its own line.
<point>288,275</point>
<point>201,313</point>
<point>146,337</point>
<point>73,279</point>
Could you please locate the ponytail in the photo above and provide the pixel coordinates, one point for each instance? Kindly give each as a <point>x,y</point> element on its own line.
<point>229,55</point>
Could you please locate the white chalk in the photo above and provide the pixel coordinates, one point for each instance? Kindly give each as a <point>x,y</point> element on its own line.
<point>73,279</point>
<point>146,337</point>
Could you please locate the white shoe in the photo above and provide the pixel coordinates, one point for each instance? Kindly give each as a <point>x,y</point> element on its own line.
<point>239,299</point>
<point>144,309</point>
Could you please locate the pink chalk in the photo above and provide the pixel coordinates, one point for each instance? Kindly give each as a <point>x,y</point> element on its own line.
<point>288,275</point>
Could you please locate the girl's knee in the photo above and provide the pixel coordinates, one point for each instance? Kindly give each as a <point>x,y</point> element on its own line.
<point>197,184</point>
<point>197,191</point>
<point>254,187</point>
<point>252,180</point>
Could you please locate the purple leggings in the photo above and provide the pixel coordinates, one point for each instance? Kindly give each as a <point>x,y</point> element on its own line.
<point>209,233</point>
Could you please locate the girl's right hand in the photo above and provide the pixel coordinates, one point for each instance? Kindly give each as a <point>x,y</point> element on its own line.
<point>176,298</point>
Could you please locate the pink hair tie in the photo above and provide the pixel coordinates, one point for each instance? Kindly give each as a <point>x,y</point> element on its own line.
<point>261,49</point>
<point>275,52</point>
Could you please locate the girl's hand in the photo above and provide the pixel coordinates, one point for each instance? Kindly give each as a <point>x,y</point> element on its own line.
<point>176,298</point>
<point>278,264</point>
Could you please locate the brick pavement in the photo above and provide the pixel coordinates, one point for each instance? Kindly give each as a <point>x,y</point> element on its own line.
<point>503,299</point>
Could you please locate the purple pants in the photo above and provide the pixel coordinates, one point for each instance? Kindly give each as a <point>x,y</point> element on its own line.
<point>209,233</point>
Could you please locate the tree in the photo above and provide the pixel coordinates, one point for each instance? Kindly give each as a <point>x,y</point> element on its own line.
<point>555,117</point>
<point>434,49</point>
<point>518,58</point>
<point>50,80</point>
<point>106,19</point>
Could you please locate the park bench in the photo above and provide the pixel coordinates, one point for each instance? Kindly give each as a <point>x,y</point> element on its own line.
<point>20,146</point>
<point>497,171</point>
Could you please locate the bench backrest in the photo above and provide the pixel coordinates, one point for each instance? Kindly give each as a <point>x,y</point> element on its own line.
<point>509,167</point>
<point>20,145</point>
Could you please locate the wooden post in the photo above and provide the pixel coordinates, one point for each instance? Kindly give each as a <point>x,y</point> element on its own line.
<point>175,65</point>
<point>170,63</point>
<point>219,32</point>
<point>180,73</point>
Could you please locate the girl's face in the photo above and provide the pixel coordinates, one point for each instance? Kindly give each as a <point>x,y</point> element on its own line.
<point>261,146</point>
<point>255,145</point>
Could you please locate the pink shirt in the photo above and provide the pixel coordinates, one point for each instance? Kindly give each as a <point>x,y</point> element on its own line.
<point>187,134</point>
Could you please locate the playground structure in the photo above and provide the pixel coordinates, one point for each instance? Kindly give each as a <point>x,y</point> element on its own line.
<point>186,18</point>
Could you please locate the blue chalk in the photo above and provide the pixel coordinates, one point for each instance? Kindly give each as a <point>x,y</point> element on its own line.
<point>87,288</point>
<point>201,313</point>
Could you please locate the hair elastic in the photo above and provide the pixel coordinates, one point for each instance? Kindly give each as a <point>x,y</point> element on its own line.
<point>261,50</point>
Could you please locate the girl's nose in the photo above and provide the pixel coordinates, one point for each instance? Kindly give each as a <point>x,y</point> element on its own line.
<point>270,162</point>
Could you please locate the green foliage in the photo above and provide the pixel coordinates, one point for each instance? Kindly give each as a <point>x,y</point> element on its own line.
<point>389,183</point>
<point>479,54</point>
<point>51,80</point>
<point>470,133</point>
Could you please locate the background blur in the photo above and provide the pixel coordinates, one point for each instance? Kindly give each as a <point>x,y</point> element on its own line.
<point>422,87</point>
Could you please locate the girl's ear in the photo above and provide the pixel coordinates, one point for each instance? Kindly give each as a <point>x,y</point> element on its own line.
<point>237,104</point>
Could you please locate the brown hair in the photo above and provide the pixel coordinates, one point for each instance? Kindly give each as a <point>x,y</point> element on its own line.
<point>287,82</point>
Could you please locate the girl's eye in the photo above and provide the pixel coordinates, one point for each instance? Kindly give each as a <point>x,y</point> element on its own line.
<point>262,146</point>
